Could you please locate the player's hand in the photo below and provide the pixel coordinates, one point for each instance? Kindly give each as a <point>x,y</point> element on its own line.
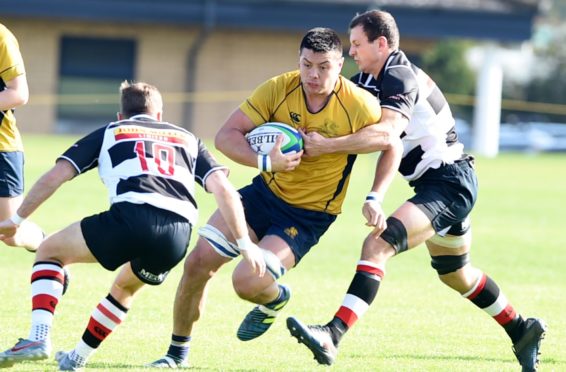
<point>375,217</point>
<point>8,229</point>
<point>253,255</point>
<point>314,143</point>
<point>283,162</point>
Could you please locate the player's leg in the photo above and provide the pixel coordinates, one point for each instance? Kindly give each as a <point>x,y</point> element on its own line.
<point>47,278</point>
<point>200,266</point>
<point>106,316</point>
<point>270,296</point>
<point>287,234</point>
<point>450,258</point>
<point>408,227</point>
<point>29,235</point>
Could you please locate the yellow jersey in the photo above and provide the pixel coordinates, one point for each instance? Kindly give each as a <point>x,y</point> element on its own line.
<point>11,66</point>
<point>318,183</point>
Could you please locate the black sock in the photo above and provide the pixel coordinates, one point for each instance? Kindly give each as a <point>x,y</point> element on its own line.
<point>515,328</point>
<point>337,329</point>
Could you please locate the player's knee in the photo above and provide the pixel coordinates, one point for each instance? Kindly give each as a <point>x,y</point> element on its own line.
<point>197,267</point>
<point>449,264</point>
<point>396,235</point>
<point>243,287</point>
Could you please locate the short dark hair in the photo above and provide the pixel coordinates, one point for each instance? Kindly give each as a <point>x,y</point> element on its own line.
<point>321,40</point>
<point>376,23</point>
<point>139,98</point>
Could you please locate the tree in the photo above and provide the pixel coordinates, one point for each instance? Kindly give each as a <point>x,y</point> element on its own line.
<point>446,64</point>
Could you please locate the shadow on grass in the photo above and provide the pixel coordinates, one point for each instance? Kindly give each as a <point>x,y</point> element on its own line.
<point>408,356</point>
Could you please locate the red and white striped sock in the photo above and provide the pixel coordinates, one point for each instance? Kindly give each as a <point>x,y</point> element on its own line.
<point>486,295</point>
<point>46,291</point>
<point>361,293</point>
<point>106,316</point>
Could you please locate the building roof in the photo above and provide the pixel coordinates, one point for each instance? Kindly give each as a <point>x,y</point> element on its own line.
<point>503,20</point>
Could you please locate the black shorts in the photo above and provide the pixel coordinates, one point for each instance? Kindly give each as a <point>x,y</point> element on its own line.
<point>269,215</point>
<point>12,170</point>
<point>447,195</point>
<point>152,239</point>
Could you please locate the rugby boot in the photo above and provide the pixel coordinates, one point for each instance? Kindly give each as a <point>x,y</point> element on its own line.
<point>258,321</point>
<point>168,362</point>
<point>25,350</point>
<point>316,337</point>
<point>65,362</point>
<point>527,348</point>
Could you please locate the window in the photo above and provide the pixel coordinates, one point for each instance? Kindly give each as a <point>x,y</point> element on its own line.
<point>90,73</point>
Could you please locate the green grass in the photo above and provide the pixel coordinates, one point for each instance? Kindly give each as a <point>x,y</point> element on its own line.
<point>415,323</point>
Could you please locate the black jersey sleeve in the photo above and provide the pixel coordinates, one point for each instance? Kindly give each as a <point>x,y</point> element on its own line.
<point>399,90</point>
<point>205,164</point>
<point>83,155</point>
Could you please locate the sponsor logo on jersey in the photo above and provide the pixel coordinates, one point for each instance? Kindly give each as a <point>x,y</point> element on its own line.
<point>295,117</point>
<point>171,136</point>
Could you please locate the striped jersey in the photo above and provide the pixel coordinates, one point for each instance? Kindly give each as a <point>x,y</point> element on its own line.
<point>430,138</point>
<point>318,183</point>
<point>11,66</point>
<point>141,160</point>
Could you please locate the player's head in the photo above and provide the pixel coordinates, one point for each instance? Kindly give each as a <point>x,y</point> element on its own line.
<point>320,60</point>
<point>140,98</point>
<point>373,36</point>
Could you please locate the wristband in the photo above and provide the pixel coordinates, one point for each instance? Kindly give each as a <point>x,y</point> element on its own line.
<point>374,197</point>
<point>17,219</point>
<point>264,163</point>
<point>245,243</point>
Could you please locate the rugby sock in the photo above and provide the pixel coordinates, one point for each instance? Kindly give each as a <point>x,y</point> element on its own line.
<point>280,301</point>
<point>486,295</point>
<point>46,290</point>
<point>179,348</point>
<point>106,316</point>
<point>360,295</point>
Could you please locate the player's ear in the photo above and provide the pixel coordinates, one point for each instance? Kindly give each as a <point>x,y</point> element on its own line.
<point>119,116</point>
<point>159,115</point>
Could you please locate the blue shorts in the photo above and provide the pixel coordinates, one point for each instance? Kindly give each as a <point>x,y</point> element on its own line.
<point>447,195</point>
<point>12,170</point>
<point>267,214</point>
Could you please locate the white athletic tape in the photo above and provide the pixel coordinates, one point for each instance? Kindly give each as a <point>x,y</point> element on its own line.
<point>228,249</point>
<point>219,242</point>
<point>452,241</point>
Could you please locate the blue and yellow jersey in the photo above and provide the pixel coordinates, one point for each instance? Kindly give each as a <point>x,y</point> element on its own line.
<point>318,183</point>
<point>11,66</point>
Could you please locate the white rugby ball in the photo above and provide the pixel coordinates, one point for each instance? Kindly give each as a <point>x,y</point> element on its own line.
<point>263,137</point>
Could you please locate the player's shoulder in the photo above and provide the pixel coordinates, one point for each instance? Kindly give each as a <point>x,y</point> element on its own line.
<point>351,92</point>
<point>286,81</point>
<point>6,35</point>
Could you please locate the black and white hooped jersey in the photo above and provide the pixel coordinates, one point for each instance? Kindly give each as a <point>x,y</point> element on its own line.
<point>430,138</point>
<point>141,160</point>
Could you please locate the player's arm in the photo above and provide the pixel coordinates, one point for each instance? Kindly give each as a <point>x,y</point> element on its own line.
<point>231,141</point>
<point>371,138</point>
<point>229,204</point>
<point>15,94</point>
<point>386,168</point>
<point>61,172</point>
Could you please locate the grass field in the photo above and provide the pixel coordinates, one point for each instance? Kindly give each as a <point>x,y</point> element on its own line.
<point>415,323</point>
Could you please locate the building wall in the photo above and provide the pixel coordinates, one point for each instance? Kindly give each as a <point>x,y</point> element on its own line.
<point>230,64</point>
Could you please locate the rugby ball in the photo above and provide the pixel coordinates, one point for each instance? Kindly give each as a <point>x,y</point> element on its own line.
<point>263,137</point>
